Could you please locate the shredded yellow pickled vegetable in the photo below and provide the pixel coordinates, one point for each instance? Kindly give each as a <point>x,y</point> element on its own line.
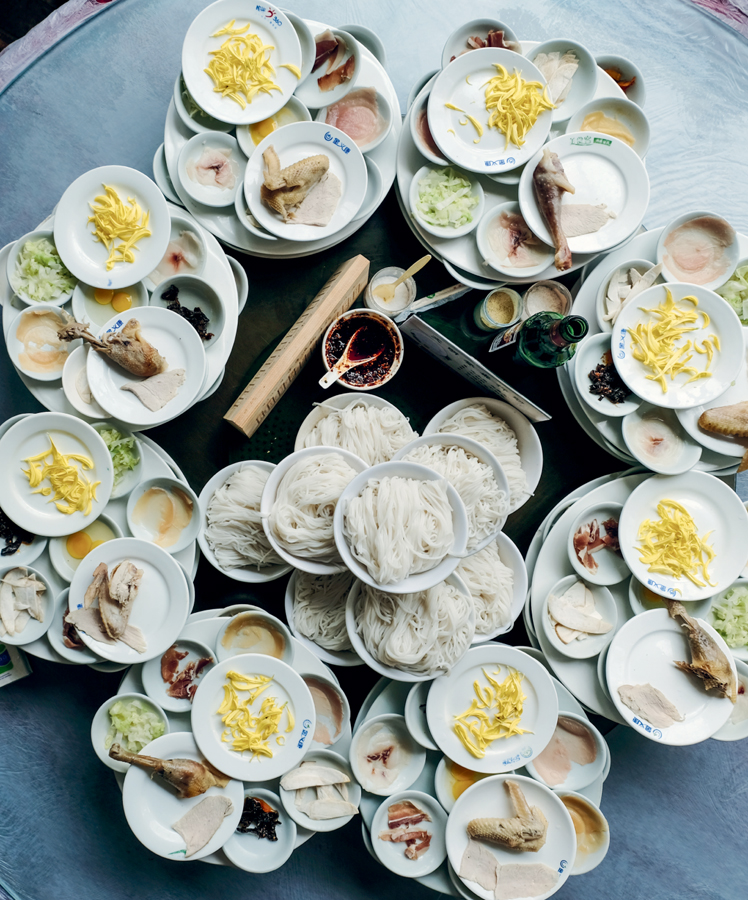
<point>671,545</point>
<point>247,731</point>
<point>291,68</point>
<point>495,712</point>
<point>240,68</point>
<point>513,104</point>
<point>113,221</point>
<point>656,344</point>
<point>65,480</point>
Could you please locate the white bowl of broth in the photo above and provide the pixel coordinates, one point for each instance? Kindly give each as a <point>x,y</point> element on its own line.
<point>33,345</point>
<point>67,552</point>
<point>255,632</point>
<point>165,512</point>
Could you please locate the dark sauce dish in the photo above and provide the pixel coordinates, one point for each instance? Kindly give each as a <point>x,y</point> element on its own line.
<point>377,334</point>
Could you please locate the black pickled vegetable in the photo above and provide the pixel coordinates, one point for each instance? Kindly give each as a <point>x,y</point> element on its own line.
<point>12,535</point>
<point>258,818</point>
<point>606,382</point>
<point>195,317</point>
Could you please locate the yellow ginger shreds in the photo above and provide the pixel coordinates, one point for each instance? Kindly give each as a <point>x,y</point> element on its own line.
<point>240,68</point>
<point>671,545</point>
<point>657,344</point>
<point>66,481</point>
<point>513,104</point>
<point>248,731</point>
<point>494,713</point>
<point>113,221</point>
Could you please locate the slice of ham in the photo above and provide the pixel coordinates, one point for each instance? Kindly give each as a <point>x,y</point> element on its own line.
<point>416,851</point>
<point>170,663</point>
<point>405,813</point>
<point>337,76</point>
<point>325,45</point>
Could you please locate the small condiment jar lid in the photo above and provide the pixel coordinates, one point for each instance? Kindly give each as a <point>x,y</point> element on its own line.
<point>387,276</point>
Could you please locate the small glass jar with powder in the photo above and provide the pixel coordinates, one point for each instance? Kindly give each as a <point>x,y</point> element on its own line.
<point>546,296</point>
<point>498,310</point>
<point>405,293</point>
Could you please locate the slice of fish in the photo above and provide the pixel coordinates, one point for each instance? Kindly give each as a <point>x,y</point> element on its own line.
<point>199,824</point>
<point>312,775</point>
<point>550,182</point>
<point>584,218</point>
<point>650,703</point>
<point>479,865</point>
<point>155,392</point>
<point>526,831</point>
<point>524,880</point>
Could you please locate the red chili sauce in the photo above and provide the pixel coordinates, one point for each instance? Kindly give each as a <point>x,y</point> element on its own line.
<point>373,336</point>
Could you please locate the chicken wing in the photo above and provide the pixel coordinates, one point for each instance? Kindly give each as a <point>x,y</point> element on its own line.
<point>526,831</point>
<point>284,189</point>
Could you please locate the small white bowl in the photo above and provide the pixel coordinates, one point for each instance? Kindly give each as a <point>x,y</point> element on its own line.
<point>690,454</point>
<point>740,652</point>
<point>247,220</point>
<point>590,352</point>
<point>201,122</point>
<point>189,532</point>
<point>195,292</point>
<point>408,775</point>
<point>392,854</point>
<point>15,252</point>
<point>205,193</point>
<point>374,185</point>
<point>360,648</point>
<point>594,643</point>
<point>74,365</point>
<point>641,265</point>
<point>580,776</point>
<point>61,560</point>
<point>334,761</point>
<point>488,254</point>
<point>157,688</point>
<point>442,231</point>
<point>590,861</point>
<point>33,630</point>
<point>81,657</point>
<point>308,678</point>
<point>15,347</point>
<point>259,855</point>
<point>368,39</point>
<point>583,84</point>
<point>394,332</point>
<point>415,715</point>
<point>162,178</point>
<point>732,252</point>
<point>86,308</point>
<point>625,111</point>
<point>385,111</point>
<point>26,553</point>
<point>180,222</point>
<point>510,555</point>
<point>637,93</point>
<point>422,580</point>
<point>268,500</point>
<point>417,111</point>
<point>293,111</point>
<point>308,91</point>
<point>257,615</point>
<point>456,43</point>
<point>101,724</point>
<point>306,40</point>
<point>131,478</point>
<point>443,781</point>
<point>611,567</point>
<point>419,84</point>
<point>241,280</point>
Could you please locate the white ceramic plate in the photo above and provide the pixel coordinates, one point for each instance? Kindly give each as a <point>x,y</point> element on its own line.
<point>579,776</point>
<point>490,798</point>
<point>180,345</point>
<point>86,257</point>
<point>152,809</point>
<point>407,775</point>
<point>741,651</point>
<point>293,111</point>
<point>731,730</point>
<point>157,688</point>
<point>287,687</point>
<point>447,232</point>
<point>87,309</point>
<point>160,608</point>
<point>254,854</point>
<point>81,657</point>
<point>714,507</point>
<point>510,555</point>
<point>489,253</point>
<point>26,553</point>
<point>641,265</point>
<point>309,91</point>
<point>208,194</point>
<point>391,854</point>
<point>593,643</point>
<point>77,362</point>
<point>339,401</point>
<point>584,82</point>
<point>415,715</point>
<point>640,603</point>
<point>590,352</point>
<point>102,723</point>
<point>334,761</point>
<point>611,567</point>
<point>65,564</point>
<point>298,141</point>
<point>731,252</point>
<point>16,347</point>
<point>451,695</point>
<point>643,652</point>
<point>603,170</point>
<point>727,362</point>
<point>33,629</point>
<point>272,27</point>
<point>456,43</point>
<point>489,155</point>
<point>181,222</point>
<point>690,450</point>
<point>29,437</point>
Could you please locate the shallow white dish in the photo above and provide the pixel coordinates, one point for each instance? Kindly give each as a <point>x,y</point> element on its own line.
<point>603,170</point>
<point>62,562</point>
<point>101,724</point>
<point>145,533</point>
<point>199,122</point>
<point>736,731</point>
<point>391,854</point>
<point>590,353</point>
<point>580,776</point>
<point>293,111</point>
<point>637,92</point>
<point>444,231</point>
<point>14,253</point>
<point>690,451</point>
<point>161,176</point>
<point>26,553</point>
<point>406,776</point>
<point>490,154</point>
<point>131,478</point>
<point>418,109</point>
<point>415,715</point>
<point>81,657</point>
<point>490,798</point>
<point>33,629</point>
<point>87,309</point>
<point>727,362</point>
<point>194,292</point>
<point>592,860</point>
<point>157,688</point>
<point>306,41</point>
<point>334,761</point>
<point>254,854</point>
<point>208,194</point>
<point>309,91</point>
<point>489,254</point>
<point>593,643</point>
<point>243,574</point>
<point>714,508</point>
<point>611,567</point>
<point>152,809</point>
<point>643,652</point>
<point>385,113</point>
<point>223,653</point>
<point>732,253</point>
<point>298,141</point>
<point>242,284</point>
<point>28,438</point>
<point>584,82</point>
<point>456,44</point>
<point>451,694</point>
<point>287,687</point>
<point>15,347</point>
<point>181,222</point>
<point>739,652</point>
<point>241,207</point>
<point>181,346</point>
<point>86,257</point>
<point>641,265</point>
<point>273,28</point>
<point>625,111</point>
<point>160,608</point>
<point>640,602</point>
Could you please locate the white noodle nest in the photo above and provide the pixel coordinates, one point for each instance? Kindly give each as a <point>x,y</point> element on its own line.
<point>491,585</point>
<point>319,609</point>
<point>371,432</point>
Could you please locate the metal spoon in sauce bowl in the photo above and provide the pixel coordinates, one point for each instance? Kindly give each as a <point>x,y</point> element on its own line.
<point>386,291</point>
<point>349,360</point>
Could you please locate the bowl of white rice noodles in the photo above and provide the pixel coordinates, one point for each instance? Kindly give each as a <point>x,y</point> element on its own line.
<point>411,637</point>
<point>476,475</point>
<point>231,535</point>
<point>401,527</point>
<point>315,611</point>
<point>505,431</point>
<point>367,425</point>
<point>299,502</point>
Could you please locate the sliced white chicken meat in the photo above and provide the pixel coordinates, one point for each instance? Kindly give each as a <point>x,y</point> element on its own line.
<point>584,218</point>
<point>524,880</point>
<point>478,864</point>
<point>650,703</point>
<point>319,205</point>
<point>575,609</point>
<point>90,621</point>
<point>312,775</point>
<point>155,392</point>
<point>199,824</point>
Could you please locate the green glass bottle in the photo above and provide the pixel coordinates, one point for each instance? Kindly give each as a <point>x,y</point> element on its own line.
<point>6,663</point>
<point>549,339</point>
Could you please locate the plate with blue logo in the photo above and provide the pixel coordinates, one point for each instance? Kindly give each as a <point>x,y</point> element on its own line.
<point>467,687</point>
<point>334,199</point>
<point>273,680</point>
<point>175,340</point>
